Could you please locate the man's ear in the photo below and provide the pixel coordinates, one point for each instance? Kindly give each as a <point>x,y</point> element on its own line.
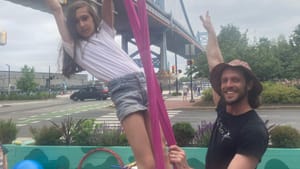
<point>249,85</point>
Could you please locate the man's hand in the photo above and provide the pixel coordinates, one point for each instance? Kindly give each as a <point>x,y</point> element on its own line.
<point>207,22</point>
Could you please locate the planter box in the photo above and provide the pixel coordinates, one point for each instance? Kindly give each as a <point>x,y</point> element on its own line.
<point>68,157</point>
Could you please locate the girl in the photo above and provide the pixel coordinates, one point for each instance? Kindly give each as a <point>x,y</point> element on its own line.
<point>89,44</point>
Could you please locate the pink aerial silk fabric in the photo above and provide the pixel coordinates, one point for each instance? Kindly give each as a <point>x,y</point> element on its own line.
<point>139,24</point>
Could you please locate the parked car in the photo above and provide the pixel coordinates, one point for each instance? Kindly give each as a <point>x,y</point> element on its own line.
<point>98,92</point>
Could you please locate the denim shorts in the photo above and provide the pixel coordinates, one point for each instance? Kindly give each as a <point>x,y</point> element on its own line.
<point>129,94</point>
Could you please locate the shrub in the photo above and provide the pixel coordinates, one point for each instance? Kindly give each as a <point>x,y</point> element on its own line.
<point>26,96</point>
<point>207,95</point>
<point>46,135</point>
<point>285,137</point>
<point>107,136</point>
<point>8,131</point>
<point>202,135</point>
<point>278,93</point>
<point>184,133</point>
<point>70,128</point>
<point>82,133</point>
<point>176,94</point>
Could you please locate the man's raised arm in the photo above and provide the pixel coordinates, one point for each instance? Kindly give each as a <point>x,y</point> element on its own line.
<point>213,52</point>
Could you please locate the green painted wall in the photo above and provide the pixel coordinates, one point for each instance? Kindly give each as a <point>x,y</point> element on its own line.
<point>68,157</point>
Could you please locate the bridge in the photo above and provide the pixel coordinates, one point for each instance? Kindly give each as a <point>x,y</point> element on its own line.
<point>165,32</point>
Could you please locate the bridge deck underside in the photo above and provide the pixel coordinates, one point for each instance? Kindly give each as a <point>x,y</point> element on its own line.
<point>176,39</point>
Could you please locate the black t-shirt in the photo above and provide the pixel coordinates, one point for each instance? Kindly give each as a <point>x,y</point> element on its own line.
<point>245,134</point>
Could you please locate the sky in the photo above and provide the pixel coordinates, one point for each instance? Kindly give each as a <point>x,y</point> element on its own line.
<point>33,39</point>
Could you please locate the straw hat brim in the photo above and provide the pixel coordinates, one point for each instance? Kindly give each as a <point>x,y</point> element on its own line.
<point>216,73</point>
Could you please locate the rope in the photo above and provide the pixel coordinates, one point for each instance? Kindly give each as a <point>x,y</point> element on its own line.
<point>139,24</point>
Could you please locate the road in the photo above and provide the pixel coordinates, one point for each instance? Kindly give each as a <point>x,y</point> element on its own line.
<point>39,113</point>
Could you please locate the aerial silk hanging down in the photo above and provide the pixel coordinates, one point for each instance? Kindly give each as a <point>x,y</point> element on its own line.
<point>139,24</point>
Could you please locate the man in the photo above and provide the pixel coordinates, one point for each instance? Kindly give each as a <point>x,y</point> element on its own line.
<point>239,137</point>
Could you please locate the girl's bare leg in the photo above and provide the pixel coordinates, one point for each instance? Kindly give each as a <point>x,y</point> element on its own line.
<point>136,132</point>
<point>166,154</point>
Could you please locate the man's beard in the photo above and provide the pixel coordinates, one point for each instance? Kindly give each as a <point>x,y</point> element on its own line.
<point>239,99</point>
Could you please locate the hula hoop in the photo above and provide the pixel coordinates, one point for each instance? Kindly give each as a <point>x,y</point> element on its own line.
<point>91,152</point>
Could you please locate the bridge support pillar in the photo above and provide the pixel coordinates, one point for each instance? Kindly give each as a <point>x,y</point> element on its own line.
<point>164,75</point>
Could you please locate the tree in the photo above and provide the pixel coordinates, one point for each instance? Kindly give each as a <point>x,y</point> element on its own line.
<point>283,52</point>
<point>26,82</point>
<point>295,43</point>
<point>265,65</point>
<point>233,43</point>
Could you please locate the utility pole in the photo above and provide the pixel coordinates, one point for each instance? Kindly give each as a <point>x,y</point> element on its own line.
<point>176,74</point>
<point>8,89</point>
<point>190,51</point>
<point>49,83</point>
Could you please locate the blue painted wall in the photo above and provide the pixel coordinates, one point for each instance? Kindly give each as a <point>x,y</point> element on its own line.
<point>68,157</point>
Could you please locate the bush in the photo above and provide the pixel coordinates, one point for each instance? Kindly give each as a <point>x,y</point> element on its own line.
<point>176,94</point>
<point>280,94</point>
<point>184,133</point>
<point>285,137</point>
<point>207,95</point>
<point>46,135</point>
<point>8,131</point>
<point>81,135</point>
<point>27,96</point>
<point>202,135</point>
<point>80,132</point>
<point>107,136</point>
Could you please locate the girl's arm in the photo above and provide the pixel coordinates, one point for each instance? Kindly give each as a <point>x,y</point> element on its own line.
<point>57,11</point>
<point>107,12</point>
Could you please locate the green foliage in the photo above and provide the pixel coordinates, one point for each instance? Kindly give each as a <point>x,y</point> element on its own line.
<point>285,137</point>
<point>176,94</point>
<point>8,131</point>
<point>202,135</point>
<point>70,127</point>
<point>83,131</point>
<point>26,82</point>
<point>232,42</point>
<point>46,135</point>
<point>184,133</point>
<point>273,93</point>
<point>207,95</point>
<point>269,59</point>
<point>80,132</point>
<point>278,93</point>
<point>107,136</point>
<point>27,96</point>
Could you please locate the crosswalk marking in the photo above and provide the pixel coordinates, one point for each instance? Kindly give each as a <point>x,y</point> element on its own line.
<point>111,120</point>
<point>57,114</point>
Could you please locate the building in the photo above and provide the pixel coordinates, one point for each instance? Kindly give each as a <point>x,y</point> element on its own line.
<point>57,80</point>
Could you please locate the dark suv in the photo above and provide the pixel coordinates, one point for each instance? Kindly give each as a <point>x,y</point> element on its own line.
<point>98,92</point>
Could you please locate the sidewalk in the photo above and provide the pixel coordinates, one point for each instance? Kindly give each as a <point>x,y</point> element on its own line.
<point>177,102</point>
<point>171,102</point>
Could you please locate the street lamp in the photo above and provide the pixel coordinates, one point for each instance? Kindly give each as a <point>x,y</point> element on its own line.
<point>8,90</point>
<point>190,51</point>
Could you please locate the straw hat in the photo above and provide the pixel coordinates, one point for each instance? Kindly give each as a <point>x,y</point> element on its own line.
<point>216,73</point>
